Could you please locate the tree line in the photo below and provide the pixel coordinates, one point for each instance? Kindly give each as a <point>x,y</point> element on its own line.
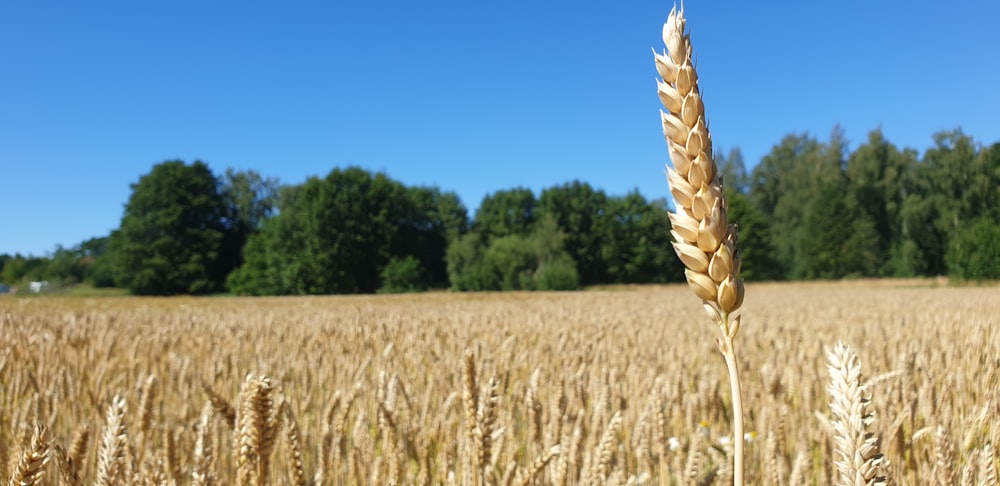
<point>879,211</point>
<point>809,209</point>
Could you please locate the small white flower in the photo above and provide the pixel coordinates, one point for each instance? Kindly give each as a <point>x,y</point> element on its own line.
<point>674,443</point>
<point>749,436</point>
<point>724,440</point>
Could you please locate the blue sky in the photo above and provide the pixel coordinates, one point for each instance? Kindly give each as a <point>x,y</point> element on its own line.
<point>469,96</point>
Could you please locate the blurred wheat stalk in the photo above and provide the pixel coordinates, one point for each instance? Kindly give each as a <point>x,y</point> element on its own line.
<point>703,238</point>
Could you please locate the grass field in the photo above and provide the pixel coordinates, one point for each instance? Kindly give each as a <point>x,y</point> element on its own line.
<point>620,386</point>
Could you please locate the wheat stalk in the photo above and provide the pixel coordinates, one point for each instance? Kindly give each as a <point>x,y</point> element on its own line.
<point>856,448</point>
<point>703,238</point>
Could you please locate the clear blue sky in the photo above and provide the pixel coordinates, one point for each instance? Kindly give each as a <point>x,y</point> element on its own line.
<point>466,95</point>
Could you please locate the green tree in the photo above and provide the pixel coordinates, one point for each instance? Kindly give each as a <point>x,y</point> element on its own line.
<point>954,184</point>
<point>506,212</point>
<point>403,275</point>
<point>578,208</point>
<point>880,177</point>
<point>839,239</point>
<point>331,236</point>
<point>636,241</point>
<point>98,261</point>
<point>537,261</point>
<point>64,268</point>
<point>974,252</point>
<point>429,222</point>
<point>479,260</point>
<point>250,199</point>
<point>18,269</point>
<point>466,271</point>
<point>510,263</point>
<point>534,262</point>
<point>784,184</point>
<point>756,248</point>
<point>733,170</point>
<point>171,234</point>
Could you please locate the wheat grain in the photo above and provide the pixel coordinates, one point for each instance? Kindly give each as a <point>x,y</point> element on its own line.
<point>857,456</point>
<point>537,466</point>
<point>987,466</point>
<point>201,471</point>
<point>221,405</point>
<point>30,467</point>
<point>799,467</point>
<point>692,469</point>
<point>534,409</point>
<point>75,460</point>
<point>604,454</point>
<point>944,453</point>
<point>258,428</point>
<point>111,465</point>
<point>970,469</point>
<point>486,417</point>
<point>294,439</point>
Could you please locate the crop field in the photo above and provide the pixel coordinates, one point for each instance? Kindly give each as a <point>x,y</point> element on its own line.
<point>616,386</point>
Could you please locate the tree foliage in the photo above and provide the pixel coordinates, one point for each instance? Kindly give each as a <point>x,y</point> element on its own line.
<point>171,235</point>
<point>579,210</point>
<point>810,209</point>
<point>578,236</point>
<point>974,253</point>
<point>338,234</point>
<point>249,198</point>
<point>403,275</point>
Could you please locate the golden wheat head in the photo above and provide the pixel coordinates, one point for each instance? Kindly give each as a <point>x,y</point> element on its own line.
<point>703,238</point>
<point>858,459</point>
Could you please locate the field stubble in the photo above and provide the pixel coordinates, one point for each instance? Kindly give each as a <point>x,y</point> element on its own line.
<point>601,387</point>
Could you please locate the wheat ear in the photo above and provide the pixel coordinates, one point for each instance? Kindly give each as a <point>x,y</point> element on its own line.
<point>30,467</point>
<point>114,442</point>
<point>201,470</point>
<point>703,238</point>
<point>294,438</point>
<point>470,395</point>
<point>258,425</point>
<point>988,466</point>
<point>944,454</point>
<point>75,457</point>
<point>537,465</point>
<point>856,448</point>
<point>221,405</point>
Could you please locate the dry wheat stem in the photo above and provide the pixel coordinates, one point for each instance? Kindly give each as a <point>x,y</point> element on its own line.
<point>703,238</point>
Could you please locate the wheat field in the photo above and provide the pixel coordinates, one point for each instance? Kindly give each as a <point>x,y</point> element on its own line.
<point>614,386</point>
